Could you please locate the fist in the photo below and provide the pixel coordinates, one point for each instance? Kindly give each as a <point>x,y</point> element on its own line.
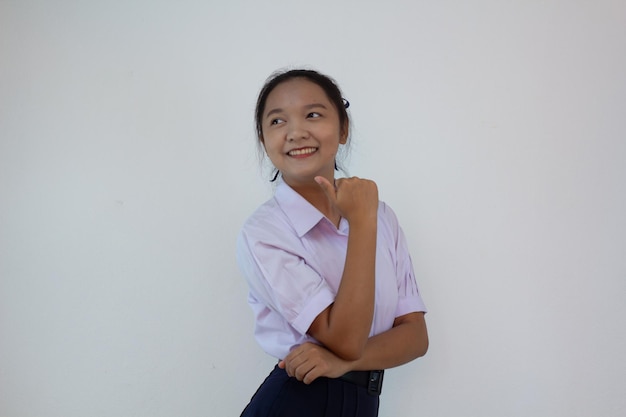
<point>355,198</point>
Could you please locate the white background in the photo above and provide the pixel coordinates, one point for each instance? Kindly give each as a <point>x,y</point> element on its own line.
<point>496,130</point>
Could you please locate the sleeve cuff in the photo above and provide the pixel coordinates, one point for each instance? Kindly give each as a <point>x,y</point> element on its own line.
<point>410,304</point>
<point>315,306</point>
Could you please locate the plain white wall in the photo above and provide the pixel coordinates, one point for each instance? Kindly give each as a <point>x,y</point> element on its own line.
<point>496,130</point>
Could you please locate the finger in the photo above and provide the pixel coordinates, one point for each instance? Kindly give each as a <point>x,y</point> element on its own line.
<point>311,376</point>
<point>303,370</point>
<point>293,354</point>
<point>316,368</point>
<point>293,360</point>
<point>327,187</point>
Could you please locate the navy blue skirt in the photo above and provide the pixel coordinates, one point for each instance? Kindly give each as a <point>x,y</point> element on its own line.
<point>284,396</point>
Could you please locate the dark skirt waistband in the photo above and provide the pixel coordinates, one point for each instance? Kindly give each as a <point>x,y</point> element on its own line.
<point>371,380</point>
<point>283,396</point>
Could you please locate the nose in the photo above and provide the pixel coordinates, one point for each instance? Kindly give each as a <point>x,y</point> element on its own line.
<point>296,131</point>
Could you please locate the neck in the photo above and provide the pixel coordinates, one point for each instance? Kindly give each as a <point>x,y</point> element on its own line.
<point>314,194</point>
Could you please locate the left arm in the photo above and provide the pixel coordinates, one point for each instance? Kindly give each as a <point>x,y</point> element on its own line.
<point>405,341</point>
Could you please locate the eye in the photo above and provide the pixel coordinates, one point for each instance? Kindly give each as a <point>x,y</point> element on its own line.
<point>313,115</point>
<point>276,121</point>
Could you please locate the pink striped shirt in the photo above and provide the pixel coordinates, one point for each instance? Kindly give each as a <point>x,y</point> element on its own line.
<point>292,257</point>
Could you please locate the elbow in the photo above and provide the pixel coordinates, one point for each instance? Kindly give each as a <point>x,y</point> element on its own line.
<point>417,343</point>
<point>422,348</point>
<point>349,356</point>
<point>349,351</point>
<point>421,345</point>
<point>420,337</point>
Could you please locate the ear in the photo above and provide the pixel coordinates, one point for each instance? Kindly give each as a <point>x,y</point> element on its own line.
<point>343,133</point>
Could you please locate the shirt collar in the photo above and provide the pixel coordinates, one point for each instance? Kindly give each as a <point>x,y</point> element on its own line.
<point>302,214</point>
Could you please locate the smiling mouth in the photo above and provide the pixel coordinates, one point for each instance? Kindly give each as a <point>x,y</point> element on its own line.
<point>301,152</point>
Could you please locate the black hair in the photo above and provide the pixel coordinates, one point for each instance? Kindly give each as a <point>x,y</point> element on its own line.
<point>326,83</point>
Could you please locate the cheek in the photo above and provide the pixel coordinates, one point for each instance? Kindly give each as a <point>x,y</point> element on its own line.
<point>335,136</point>
<point>271,147</point>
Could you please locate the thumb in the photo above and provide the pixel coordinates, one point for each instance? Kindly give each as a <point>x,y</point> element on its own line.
<point>327,187</point>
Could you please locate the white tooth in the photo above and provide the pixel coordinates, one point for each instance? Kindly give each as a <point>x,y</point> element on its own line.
<point>302,151</point>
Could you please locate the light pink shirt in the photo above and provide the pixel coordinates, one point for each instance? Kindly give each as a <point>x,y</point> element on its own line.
<point>292,257</point>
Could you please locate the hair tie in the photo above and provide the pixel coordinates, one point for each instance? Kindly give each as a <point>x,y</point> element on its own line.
<point>346,103</point>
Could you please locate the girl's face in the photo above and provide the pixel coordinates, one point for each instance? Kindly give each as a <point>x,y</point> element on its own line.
<point>301,131</point>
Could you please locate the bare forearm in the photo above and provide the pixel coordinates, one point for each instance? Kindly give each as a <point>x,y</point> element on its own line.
<point>353,309</point>
<point>397,346</point>
<point>407,340</point>
<point>349,318</point>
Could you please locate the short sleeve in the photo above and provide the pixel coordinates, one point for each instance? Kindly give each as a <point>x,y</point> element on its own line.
<point>278,276</point>
<point>409,298</point>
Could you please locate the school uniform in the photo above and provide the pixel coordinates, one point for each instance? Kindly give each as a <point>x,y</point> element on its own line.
<point>292,257</point>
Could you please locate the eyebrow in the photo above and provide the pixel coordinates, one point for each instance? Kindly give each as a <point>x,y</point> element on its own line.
<point>307,107</point>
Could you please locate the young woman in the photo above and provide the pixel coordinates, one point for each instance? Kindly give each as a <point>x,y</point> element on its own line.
<point>331,281</point>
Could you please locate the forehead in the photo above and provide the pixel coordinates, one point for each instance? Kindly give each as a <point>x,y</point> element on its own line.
<point>295,92</point>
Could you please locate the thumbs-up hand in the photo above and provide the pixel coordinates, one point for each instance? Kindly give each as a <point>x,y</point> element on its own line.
<point>355,198</point>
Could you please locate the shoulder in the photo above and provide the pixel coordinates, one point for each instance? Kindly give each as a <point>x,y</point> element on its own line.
<point>386,216</point>
<point>268,223</point>
<point>389,229</point>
